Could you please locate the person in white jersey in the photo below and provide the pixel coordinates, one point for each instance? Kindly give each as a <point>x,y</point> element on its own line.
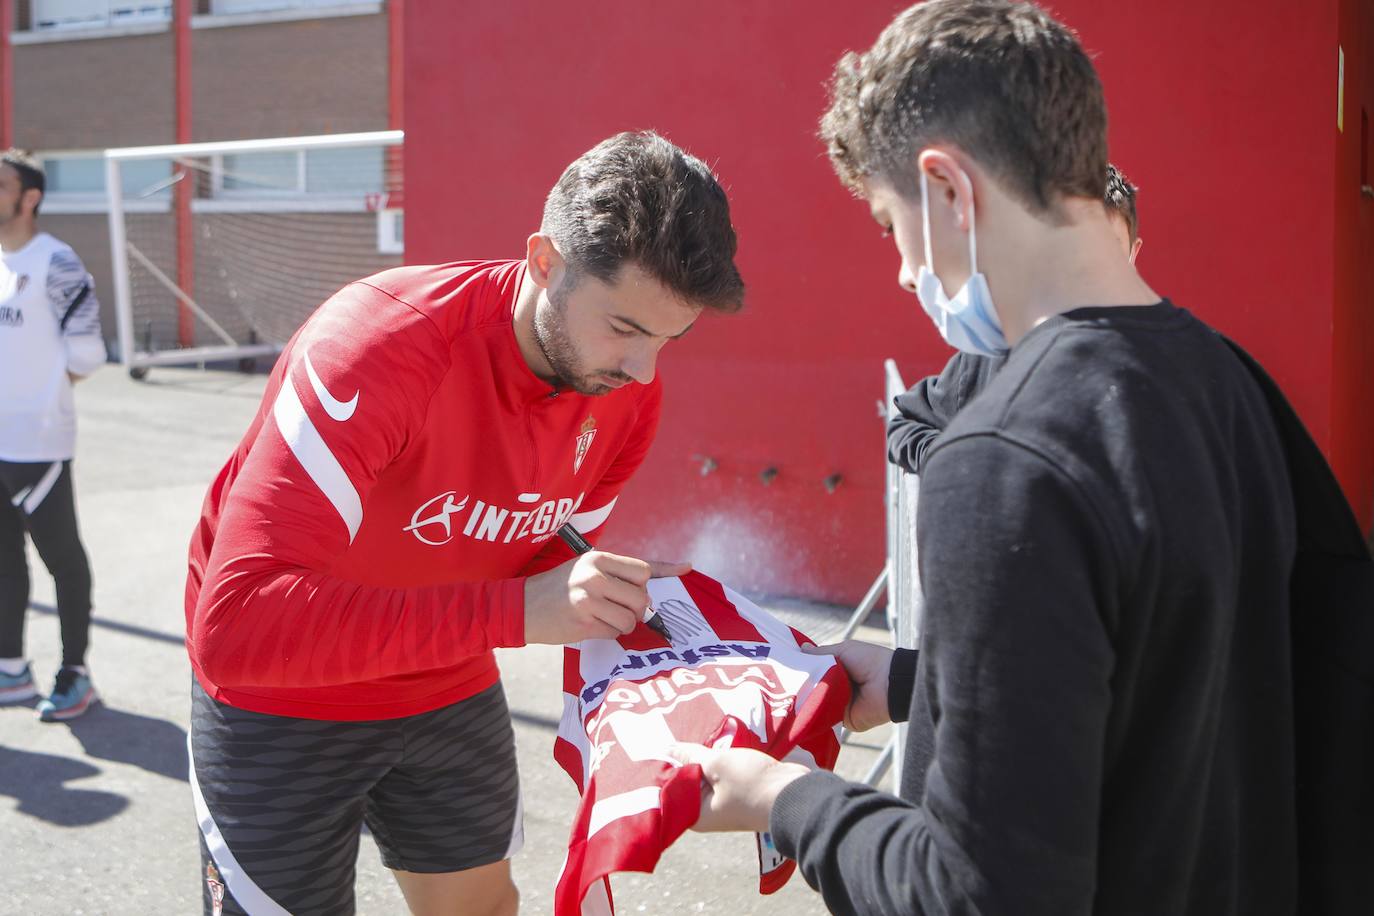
<point>49,338</point>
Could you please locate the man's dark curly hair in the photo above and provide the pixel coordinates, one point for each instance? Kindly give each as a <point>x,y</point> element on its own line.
<point>30,169</point>
<point>637,199</point>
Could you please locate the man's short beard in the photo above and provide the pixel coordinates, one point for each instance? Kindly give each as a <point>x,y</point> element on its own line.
<point>551,336</point>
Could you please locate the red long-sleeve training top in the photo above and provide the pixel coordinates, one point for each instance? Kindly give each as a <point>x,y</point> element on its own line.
<point>362,551</point>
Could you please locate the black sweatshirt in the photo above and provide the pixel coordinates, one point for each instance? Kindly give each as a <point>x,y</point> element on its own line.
<point>925,410</point>
<point>1101,719</point>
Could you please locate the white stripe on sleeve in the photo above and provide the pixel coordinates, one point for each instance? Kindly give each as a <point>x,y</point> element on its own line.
<point>592,519</point>
<point>319,462</point>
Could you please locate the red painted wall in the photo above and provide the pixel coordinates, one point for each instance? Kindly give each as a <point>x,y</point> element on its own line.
<point>1224,115</point>
<point>1352,395</point>
<point>500,99</point>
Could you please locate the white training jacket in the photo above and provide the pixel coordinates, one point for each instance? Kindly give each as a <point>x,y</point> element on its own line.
<point>49,326</point>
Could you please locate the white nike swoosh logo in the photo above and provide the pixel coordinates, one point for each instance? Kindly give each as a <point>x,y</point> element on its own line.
<point>337,410</point>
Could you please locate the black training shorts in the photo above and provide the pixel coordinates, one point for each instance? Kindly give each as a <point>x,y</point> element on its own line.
<point>281,801</point>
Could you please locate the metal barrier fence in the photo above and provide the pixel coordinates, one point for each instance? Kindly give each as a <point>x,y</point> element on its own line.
<point>899,576</point>
<point>904,600</point>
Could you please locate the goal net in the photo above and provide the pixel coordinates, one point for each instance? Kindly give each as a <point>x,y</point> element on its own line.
<point>221,250</point>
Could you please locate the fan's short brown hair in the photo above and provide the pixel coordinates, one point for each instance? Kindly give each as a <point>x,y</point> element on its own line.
<point>635,198</point>
<point>1003,81</point>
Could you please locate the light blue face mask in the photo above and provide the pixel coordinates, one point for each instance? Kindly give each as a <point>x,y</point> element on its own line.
<point>967,321</point>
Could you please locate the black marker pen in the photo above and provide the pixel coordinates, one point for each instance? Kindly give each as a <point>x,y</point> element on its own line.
<point>574,539</point>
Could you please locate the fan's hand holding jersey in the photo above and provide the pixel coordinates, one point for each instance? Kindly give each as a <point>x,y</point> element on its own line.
<point>49,326</point>
<point>362,552</point>
<point>734,676</point>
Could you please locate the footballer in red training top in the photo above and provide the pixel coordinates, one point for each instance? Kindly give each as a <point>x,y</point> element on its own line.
<point>389,518</point>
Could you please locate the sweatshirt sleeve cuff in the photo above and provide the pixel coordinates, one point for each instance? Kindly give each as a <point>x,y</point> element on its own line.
<point>901,684</point>
<point>801,797</point>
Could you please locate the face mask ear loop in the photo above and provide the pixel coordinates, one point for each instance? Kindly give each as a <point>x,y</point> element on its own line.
<point>972,226</point>
<point>925,220</point>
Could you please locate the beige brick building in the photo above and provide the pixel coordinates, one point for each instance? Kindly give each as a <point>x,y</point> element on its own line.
<point>92,74</point>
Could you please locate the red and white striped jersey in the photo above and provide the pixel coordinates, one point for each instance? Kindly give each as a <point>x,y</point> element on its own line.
<point>363,550</point>
<point>733,676</point>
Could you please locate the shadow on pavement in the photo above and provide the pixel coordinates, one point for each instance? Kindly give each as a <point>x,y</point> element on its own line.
<point>155,745</point>
<point>529,718</point>
<point>239,386</point>
<point>36,781</point>
<point>118,626</point>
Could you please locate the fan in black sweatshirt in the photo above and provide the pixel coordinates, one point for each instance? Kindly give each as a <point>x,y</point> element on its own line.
<point>1100,716</point>
<point>925,410</point>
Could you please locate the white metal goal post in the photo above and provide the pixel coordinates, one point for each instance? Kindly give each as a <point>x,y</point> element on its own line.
<point>223,258</point>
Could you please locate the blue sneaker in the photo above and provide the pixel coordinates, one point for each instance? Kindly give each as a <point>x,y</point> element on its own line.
<point>71,696</point>
<point>16,688</point>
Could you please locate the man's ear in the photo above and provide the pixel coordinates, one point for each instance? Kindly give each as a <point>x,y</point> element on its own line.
<point>543,264</point>
<point>30,200</point>
<point>1135,250</point>
<point>948,182</point>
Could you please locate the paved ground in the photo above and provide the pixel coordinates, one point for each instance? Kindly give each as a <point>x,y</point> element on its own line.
<point>95,815</point>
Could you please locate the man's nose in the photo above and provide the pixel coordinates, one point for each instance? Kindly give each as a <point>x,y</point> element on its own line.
<point>640,363</point>
<point>906,279</point>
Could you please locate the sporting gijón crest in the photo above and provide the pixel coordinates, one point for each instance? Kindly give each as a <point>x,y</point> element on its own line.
<point>584,443</point>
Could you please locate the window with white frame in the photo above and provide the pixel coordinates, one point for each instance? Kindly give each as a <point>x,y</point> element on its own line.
<point>76,182</point>
<point>56,15</point>
<point>347,173</point>
<point>98,14</point>
<point>224,7</point>
<point>391,236</point>
<point>351,180</point>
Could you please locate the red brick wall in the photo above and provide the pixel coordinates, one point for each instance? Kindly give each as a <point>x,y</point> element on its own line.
<point>315,76</point>
<point>93,93</point>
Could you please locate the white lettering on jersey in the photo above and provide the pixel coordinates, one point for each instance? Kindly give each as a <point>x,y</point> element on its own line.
<point>490,522</point>
<point>490,527</point>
